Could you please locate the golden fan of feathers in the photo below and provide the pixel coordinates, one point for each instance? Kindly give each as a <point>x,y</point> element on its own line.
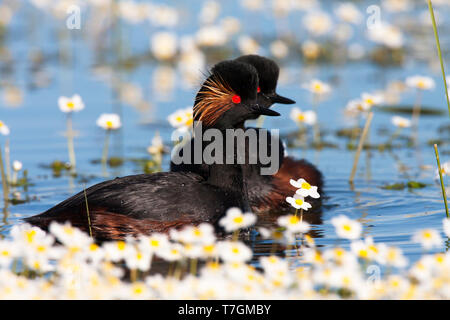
<point>213,101</point>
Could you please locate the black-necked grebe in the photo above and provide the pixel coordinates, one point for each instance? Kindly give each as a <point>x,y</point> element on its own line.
<point>148,203</point>
<point>267,193</point>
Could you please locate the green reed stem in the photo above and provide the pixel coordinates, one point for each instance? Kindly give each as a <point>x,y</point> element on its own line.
<point>438,45</point>
<point>87,212</point>
<point>444,195</point>
<point>4,182</point>
<point>70,145</point>
<point>360,146</point>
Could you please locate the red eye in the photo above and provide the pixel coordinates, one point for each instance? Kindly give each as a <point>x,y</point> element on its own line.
<point>258,90</point>
<point>236,99</point>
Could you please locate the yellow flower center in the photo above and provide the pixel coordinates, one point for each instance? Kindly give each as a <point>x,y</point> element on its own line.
<point>363,253</point>
<point>317,87</point>
<point>301,117</point>
<point>306,185</point>
<point>421,84</point>
<point>68,230</point>
<point>121,245</point>
<point>70,105</point>
<point>41,248</point>
<point>138,289</point>
<point>197,232</point>
<point>93,247</point>
<point>5,253</point>
<point>109,124</point>
<point>347,227</point>
<point>179,119</point>
<point>427,235</point>
<point>139,256</point>
<point>299,201</point>
<point>189,121</point>
<point>30,235</point>
<point>1,124</point>
<point>235,250</point>
<point>238,220</point>
<point>154,243</point>
<point>294,220</point>
<point>209,248</point>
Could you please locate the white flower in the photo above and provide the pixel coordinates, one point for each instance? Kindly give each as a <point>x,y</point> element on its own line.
<point>73,104</point>
<point>305,189</point>
<point>201,234</point>
<point>401,122</point>
<point>17,165</point>
<point>138,260</point>
<point>234,251</point>
<point>117,250</point>
<point>317,87</point>
<point>446,224</point>
<point>293,224</point>
<point>247,45</point>
<point>182,118</point>
<point>235,220</point>
<point>4,130</point>
<point>153,243</point>
<point>172,252</point>
<point>357,105</point>
<point>372,99</point>
<point>348,12</point>
<point>392,256</point>
<point>298,202</point>
<point>445,169</point>
<point>387,35</point>
<point>347,228</point>
<point>209,12</point>
<point>318,23</point>
<point>164,45</point>
<point>279,49</point>
<point>8,252</point>
<point>157,146</point>
<point>211,36</point>
<point>308,117</point>
<point>420,82</point>
<point>428,238</point>
<point>109,121</point>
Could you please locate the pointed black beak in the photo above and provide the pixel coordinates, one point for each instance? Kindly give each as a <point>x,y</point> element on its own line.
<point>258,110</point>
<point>276,98</point>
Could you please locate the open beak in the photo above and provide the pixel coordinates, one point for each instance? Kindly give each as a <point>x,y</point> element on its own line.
<point>276,98</point>
<point>258,110</point>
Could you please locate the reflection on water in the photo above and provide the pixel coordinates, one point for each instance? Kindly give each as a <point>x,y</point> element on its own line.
<point>110,63</point>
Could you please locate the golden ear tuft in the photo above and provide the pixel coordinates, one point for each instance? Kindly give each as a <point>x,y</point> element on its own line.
<point>213,100</point>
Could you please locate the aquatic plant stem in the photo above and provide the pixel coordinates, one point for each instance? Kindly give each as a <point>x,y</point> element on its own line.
<point>438,45</point>
<point>316,123</point>
<point>416,116</point>
<point>70,145</point>
<point>7,161</point>
<point>444,195</point>
<point>360,146</point>
<point>105,148</point>
<point>4,182</point>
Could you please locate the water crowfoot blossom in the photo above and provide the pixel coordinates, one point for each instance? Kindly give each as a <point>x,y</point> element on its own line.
<point>108,122</point>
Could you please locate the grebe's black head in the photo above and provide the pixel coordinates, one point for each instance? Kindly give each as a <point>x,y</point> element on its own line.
<point>268,72</point>
<point>228,97</point>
